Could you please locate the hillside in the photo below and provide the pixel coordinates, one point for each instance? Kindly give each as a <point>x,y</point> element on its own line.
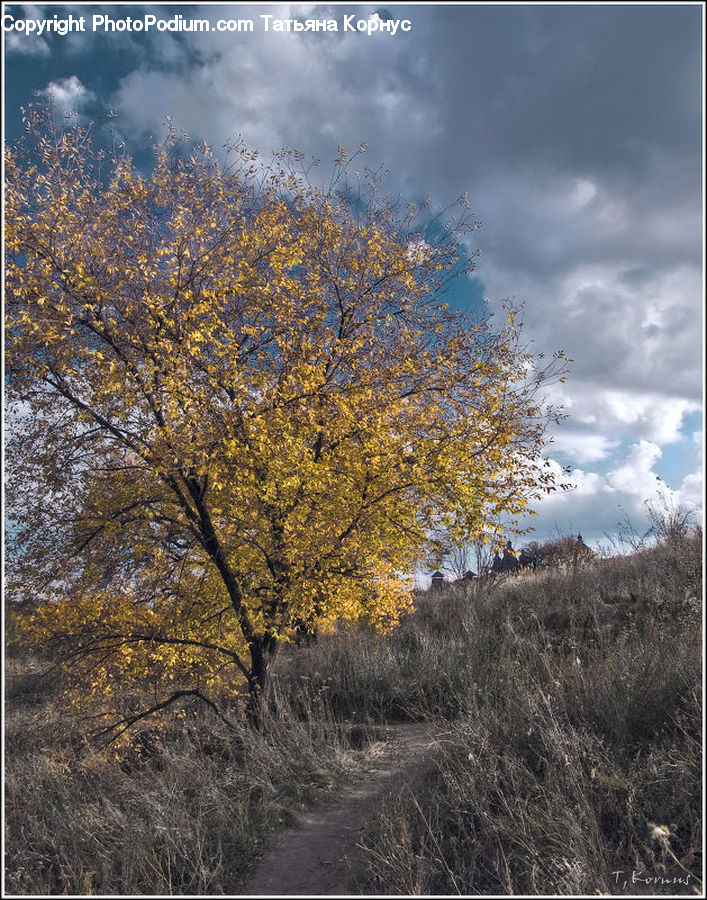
<point>571,706</point>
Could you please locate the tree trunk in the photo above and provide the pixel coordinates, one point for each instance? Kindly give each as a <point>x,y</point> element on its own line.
<point>262,652</point>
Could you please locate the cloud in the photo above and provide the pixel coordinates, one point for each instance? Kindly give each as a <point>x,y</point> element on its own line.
<point>24,45</point>
<point>636,476</point>
<point>67,95</point>
<point>598,241</point>
<point>19,42</point>
<point>303,90</point>
<point>629,323</point>
<point>580,146</point>
<point>691,491</point>
<point>583,447</point>
<point>596,502</point>
<point>614,413</point>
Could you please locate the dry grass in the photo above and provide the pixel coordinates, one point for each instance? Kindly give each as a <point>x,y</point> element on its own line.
<point>187,808</point>
<point>575,702</point>
<point>586,734</point>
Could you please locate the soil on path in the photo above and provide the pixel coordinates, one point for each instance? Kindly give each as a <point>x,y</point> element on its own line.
<point>315,858</point>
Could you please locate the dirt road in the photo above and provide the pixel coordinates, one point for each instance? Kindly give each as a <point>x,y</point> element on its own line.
<point>314,859</point>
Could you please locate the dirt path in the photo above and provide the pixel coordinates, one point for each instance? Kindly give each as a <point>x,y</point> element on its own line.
<point>314,859</point>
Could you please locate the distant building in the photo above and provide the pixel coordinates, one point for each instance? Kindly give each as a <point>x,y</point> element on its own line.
<point>581,551</point>
<point>437,580</point>
<point>508,563</point>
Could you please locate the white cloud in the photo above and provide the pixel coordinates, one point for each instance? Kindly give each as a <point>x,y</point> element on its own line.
<point>612,414</point>
<point>635,475</point>
<point>691,490</point>
<point>654,417</point>
<point>302,90</point>
<point>20,42</point>
<point>583,447</point>
<point>583,192</point>
<point>25,45</point>
<point>631,324</point>
<point>67,95</point>
<point>596,502</point>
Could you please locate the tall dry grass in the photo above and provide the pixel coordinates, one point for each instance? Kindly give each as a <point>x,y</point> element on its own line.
<point>577,768</point>
<point>186,807</point>
<point>574,702</point>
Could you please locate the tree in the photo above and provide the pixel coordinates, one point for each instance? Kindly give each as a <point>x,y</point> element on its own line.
<point>671,522</point>
<point>561,551</point>
<point>461,560</point>
<point>472,555</point>
<point>239,405</point>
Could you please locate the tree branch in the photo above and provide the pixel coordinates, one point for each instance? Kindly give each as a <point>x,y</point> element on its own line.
<point>129,721</point>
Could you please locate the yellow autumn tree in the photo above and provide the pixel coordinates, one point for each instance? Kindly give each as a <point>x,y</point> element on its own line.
<point>237,407</point>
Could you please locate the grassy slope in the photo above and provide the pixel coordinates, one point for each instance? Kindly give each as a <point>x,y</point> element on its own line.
<point>583,734</point>
<point>576,706</point>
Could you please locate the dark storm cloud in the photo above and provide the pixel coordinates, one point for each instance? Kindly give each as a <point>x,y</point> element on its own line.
<point>535,95</point>
<point>576,89</point>
<point>577,132</point>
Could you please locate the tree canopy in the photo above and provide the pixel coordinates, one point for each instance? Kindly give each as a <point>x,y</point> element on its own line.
<point>238,405</point>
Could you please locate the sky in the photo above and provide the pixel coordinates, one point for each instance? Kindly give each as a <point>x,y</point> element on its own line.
<point>576,130</point>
